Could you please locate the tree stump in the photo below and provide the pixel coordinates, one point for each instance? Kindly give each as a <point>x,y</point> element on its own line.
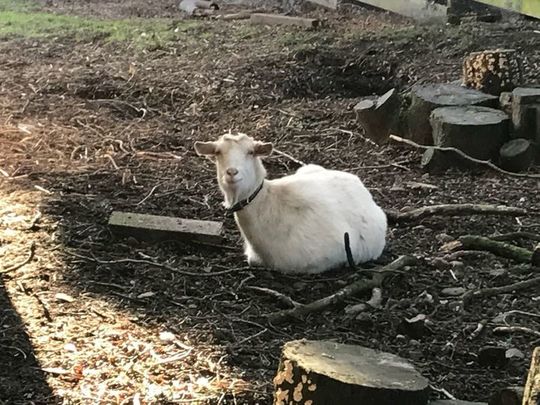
<point>477,131</point>
<point>517,155</point>
<point>328,373</point>
<point>427,98</point>
<point>492,71</point>
<point>507,396</point>
<point>526,113</point>
<point>379,117</point>
<point>531,395</point>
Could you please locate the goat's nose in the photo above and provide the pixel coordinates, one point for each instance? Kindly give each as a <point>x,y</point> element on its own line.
<point>231,171</point>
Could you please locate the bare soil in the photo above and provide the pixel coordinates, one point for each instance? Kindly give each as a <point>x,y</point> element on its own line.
<point>89,127</point>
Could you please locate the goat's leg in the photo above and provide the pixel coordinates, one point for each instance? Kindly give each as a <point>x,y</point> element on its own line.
<point>253,258</point>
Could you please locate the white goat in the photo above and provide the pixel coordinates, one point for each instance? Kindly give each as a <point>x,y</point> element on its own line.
<point>295,224</point>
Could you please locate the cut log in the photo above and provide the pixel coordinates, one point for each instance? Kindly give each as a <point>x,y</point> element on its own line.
<point>507,396</point>
<point>280,19</point>
<point>492,71</point>
<point>479,132</point>
<point>379,117</point>
<point>155,228</point>
<point>531,395</point>
<point>526,113</point>
<point>517,155</point>
<point>427,98</point>
<point>329,373</point>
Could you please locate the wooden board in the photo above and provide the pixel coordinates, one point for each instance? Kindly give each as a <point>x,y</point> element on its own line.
<point>417,9</point>
<point>280,19</point>
<point>331,4</point>
<point>527,7</point>
<point>157,228</point>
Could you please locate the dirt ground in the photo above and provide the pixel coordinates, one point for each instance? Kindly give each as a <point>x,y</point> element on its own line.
<point>88,127</point>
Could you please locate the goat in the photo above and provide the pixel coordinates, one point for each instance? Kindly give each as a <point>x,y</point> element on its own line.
<point>295,224</point>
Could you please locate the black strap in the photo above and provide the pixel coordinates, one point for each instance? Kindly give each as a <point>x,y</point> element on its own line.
<point>244,203</point>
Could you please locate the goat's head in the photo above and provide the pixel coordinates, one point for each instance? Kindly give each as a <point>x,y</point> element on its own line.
<point>238,163</point>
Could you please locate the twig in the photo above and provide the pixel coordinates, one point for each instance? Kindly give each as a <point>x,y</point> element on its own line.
<point>443,391</point>
<point>516,329</point>
<point>276,294</point>
<point>34,220</point>
<point>240,343</point>
<point>348,291</point>
<point>112,161</point>
<point>499,248</point>
<point>489,292</point>
<point>151,263</point>
<point>504,315</point>
<point>148,195</point>
<point>289,157</point>
<point>517,235</point>
<point>24,262</point>
<point>479,328</point>
<point>465,156</point>
<point>466,254</point>
<point>453,209</point>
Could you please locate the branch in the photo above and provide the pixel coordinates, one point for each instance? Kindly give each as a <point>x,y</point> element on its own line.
<point>151,263</point>
<point>24,262</point>
<point>514,329</point>
<point>285,299</point>
<point>453,209</point>
<point>489,292</point>
<point>517,235</point>
<point>299,162</point>
<point>465,156</point>
<point>502,249</point>
<point>346,292</point>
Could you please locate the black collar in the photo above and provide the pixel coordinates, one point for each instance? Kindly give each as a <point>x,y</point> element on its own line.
<point>244,203</point>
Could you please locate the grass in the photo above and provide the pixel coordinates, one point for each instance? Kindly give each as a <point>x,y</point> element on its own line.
<point>23,19</point>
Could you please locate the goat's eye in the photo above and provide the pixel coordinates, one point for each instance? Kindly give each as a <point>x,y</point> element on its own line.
<point>250,152</point>
<point>217,152</point>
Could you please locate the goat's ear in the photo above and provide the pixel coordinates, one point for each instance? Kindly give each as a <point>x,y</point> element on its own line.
<point>205,148</point>
<point>263,148</point>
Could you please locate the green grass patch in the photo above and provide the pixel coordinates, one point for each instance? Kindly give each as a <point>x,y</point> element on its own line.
<point>23,19</point>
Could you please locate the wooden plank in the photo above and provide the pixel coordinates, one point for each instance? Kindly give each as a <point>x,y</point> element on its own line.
<point>527,7</point>
<point>155,228</point>
<point>280,19</point>
<point>331,4</point>
<point>417,9</point>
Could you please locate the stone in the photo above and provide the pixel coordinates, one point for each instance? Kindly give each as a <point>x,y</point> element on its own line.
<point>453,291</point>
